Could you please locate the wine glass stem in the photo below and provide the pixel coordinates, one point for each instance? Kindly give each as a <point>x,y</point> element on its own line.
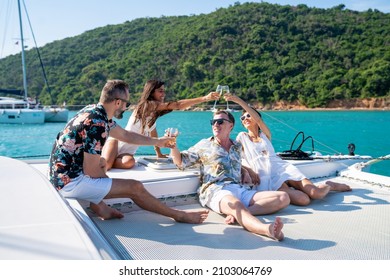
<point>215,103</point>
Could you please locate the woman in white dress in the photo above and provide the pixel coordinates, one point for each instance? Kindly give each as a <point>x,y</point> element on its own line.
<point>275,173</point>
<point>143,120</point>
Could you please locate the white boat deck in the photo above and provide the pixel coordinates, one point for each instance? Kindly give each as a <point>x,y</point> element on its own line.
<point>344,226</point>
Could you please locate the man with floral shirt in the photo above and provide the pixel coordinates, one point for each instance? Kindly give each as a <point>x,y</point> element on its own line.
<point>77,169</point>
<point>222,187</point>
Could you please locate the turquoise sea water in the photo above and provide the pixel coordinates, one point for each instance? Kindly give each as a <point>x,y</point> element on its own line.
<point>331,130</point>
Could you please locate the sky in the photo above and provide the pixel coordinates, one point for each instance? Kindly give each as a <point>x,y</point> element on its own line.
<point>53,20</point>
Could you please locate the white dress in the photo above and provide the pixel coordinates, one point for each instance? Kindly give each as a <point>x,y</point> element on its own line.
<point>126,148</point>
<point>261,157</point>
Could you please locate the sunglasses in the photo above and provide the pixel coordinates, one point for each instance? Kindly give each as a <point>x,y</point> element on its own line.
<point>124,100</point>
<point>246,116</point>
<point>218,121</point>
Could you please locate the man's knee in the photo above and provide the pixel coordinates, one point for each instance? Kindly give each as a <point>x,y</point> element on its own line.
<point>284,199</point>
<point>137,185</point>
<point>134,188</point>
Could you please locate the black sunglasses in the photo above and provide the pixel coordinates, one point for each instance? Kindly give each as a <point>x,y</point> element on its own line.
<point>124,100</point>
<point>218,121</point>
<point>245,116</point>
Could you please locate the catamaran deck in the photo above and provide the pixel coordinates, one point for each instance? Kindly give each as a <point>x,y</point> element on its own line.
<point>343,226</point>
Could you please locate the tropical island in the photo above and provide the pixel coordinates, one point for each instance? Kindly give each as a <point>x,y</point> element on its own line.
<point>275,57</point>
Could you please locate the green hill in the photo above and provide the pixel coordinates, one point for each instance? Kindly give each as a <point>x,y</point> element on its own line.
<point>264,52</point>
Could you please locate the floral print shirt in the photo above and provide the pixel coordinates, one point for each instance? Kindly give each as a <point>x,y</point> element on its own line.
<point>217,166</point>
<point>86,132</point>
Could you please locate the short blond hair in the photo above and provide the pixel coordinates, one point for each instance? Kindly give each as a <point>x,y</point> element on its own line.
<point>113,89</point>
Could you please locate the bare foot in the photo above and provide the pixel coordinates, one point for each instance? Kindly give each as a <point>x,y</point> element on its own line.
<point>105,212</point>
<point>338,187</point>
<point>275,229</point>
<point>320,192</point>
<point>230,220</point>
<point>197,217</point>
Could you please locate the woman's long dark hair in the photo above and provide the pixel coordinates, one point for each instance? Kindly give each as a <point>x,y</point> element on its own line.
<point>147,105</point>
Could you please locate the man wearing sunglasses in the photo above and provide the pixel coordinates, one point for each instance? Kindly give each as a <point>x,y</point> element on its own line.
<point>222,180</point>
<point>77,169</point>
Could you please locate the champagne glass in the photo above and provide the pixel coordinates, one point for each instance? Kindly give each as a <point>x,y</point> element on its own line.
<point>219,89</point>
<point>225,89</point>
<point>173,132</point>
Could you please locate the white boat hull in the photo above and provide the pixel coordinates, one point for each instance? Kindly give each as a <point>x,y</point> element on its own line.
<point>44,226</point>
<point>325,166</point>
<point>22,116</point>
<point>56,114</point>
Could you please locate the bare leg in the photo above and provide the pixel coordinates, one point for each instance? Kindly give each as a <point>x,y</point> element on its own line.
<point>124,161</point>
<point>263,203</point>
<point>313,191</point>
<point>338,187</point>
<point>267,202</point>
<point>105,212</point>
<point>231,206</point>
<point>297,197</point>
<point>136,191</point>
<point>110,152</point>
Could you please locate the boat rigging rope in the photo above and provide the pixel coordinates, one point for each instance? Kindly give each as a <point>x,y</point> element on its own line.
<point>47,156</point>
<point>38,53</point>
<point>294,129</point>
<point>326,158</point>
<point>6,23</point>
<point>374,160</point>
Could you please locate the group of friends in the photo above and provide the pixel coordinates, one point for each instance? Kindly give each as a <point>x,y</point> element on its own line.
<point>240,178</point>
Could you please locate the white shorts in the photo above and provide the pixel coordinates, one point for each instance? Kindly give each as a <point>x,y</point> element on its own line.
<point>87,188</point>
<point>236,190</point>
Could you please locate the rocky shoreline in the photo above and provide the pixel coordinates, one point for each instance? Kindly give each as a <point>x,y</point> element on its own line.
<point>350,104</point>
<point>374,104</point>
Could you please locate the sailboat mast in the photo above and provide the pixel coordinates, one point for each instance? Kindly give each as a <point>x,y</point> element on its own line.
<point>23,60</point>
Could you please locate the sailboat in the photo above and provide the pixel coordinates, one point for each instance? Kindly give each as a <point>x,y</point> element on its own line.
<point>20,111</point>
<point>55,114</point>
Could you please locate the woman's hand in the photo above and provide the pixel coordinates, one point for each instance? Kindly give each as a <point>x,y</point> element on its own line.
<point>246,178</point>
<point>232,97</point>
<point>212,96</point>
<point>160,155</point>
<point>254,177</point>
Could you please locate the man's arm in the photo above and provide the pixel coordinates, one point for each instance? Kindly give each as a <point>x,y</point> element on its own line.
<point>176,156</point>
<point>94,166</point>
<point>139,139</point>
<point>186,103</point>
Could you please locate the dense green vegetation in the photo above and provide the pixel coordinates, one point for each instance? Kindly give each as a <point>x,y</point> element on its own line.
<point>264,52</point>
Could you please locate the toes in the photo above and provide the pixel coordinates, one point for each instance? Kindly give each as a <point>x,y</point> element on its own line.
<point>277,229</point>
